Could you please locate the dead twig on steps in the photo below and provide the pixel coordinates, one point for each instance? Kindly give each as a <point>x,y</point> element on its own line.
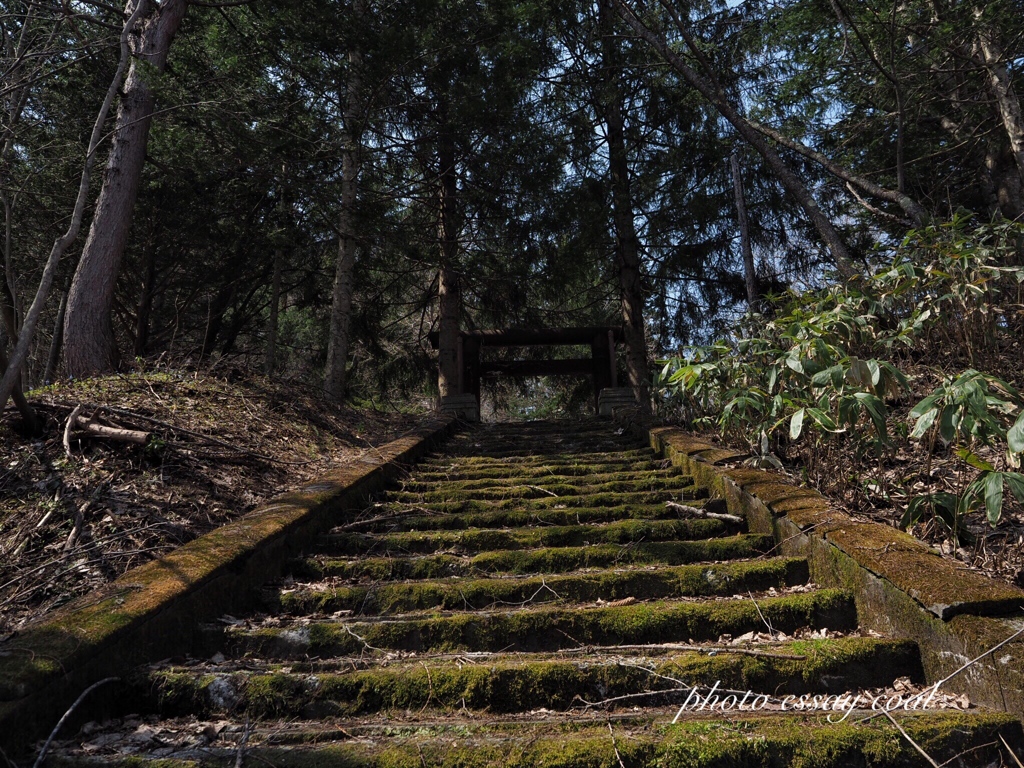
<point>615,747</point>
<point>913,743</point>
<point>538,488</point>
<point>474,657</point>
<point>1015,758</point>
<point>240,755</point>
<point>687,510</point>
<point>430,684</point>
<point>366,645</point>
<point>373,520</point>
<point>588,705</point>
<point>771,629</point>
<point>712,649</point>
<point>543,586</point>
<point>624,549</point>
<point>60,723</point>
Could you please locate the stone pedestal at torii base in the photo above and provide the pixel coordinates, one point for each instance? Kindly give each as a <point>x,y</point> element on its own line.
<point>611,398</point>
<point>464,406</point>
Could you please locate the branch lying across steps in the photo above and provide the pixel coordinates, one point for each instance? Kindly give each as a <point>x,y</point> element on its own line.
<point>689,511</point>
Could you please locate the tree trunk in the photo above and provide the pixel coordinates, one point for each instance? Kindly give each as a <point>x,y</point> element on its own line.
<point>1001,87</point>
<point>56,341</point>
<point>448,281</point>
<point>89,345</point>
<point>627,246</point>
<point>144,308</point>
<point>218,307</point>
<point>918,215</point>
<point>786,176</point>
<point>1003,182</point>
<point>750,276</point>
<point>13,368</point>
<point>270,356</point>
<point>11,310</point>
<point>240,316</point>
<point>341,298</point>
<point>28,415</point>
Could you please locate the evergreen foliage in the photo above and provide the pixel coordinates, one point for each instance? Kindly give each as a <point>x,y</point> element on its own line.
<point>244,170</point>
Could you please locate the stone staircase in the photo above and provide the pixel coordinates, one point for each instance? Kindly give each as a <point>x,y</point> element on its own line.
<point>528,598</point>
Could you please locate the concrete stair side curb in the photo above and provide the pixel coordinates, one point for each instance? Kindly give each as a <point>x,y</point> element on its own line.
<point>153,611</point>
<point>901,587</point>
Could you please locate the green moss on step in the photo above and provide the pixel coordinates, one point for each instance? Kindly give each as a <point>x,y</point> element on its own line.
<point>490,539</point>
<point>454,472</point>
<point>597,497</point>
<point>471,594</point>
<point>542,480</point>
<point>543,560</point>
<point>515,518</point>
<point>796,742</point>
<point>543,502</point>
<point>528,488</point>
<point>542,459</point>
<point>546,629</point>
<point>557,684</point>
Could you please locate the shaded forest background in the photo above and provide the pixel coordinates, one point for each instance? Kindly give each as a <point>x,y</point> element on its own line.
<point>810,208</point>
<point>312,175</point>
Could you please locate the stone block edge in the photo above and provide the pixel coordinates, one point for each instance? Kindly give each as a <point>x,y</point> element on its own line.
<point>149,611</point>
<point>805,524</point>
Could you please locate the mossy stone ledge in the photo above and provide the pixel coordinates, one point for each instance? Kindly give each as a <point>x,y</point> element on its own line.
<point>902,588</point>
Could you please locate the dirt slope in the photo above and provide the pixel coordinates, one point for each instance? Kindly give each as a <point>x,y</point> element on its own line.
<point>71,520</point>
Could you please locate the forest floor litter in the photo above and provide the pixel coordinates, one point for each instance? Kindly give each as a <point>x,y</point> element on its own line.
<point>78,509</point>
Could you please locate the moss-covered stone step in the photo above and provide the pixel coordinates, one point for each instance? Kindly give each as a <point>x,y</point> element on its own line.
<point>394,517</point>
<point>612,499</point>
<point>478,441</point>
<point>744,739</point>
<point>582,488</point>
<point>561,429</point>
<point>544,434</point>
<point>527,448</point>
<point>418,484</point>
<point>477,461</point>
<point>540,629</point>
<point>530,537</point>
<point>721,579</point>
<point>576,468</point>
<point>521,685</point>
<point>543,560</point>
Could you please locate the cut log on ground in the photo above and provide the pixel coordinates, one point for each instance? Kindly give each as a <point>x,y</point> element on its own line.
<point>108,431</point>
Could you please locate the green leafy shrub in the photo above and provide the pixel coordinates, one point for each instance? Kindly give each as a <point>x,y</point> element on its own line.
<point>822,372</point>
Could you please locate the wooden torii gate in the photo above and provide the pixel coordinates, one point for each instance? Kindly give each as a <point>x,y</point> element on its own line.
<point>600,366</point>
